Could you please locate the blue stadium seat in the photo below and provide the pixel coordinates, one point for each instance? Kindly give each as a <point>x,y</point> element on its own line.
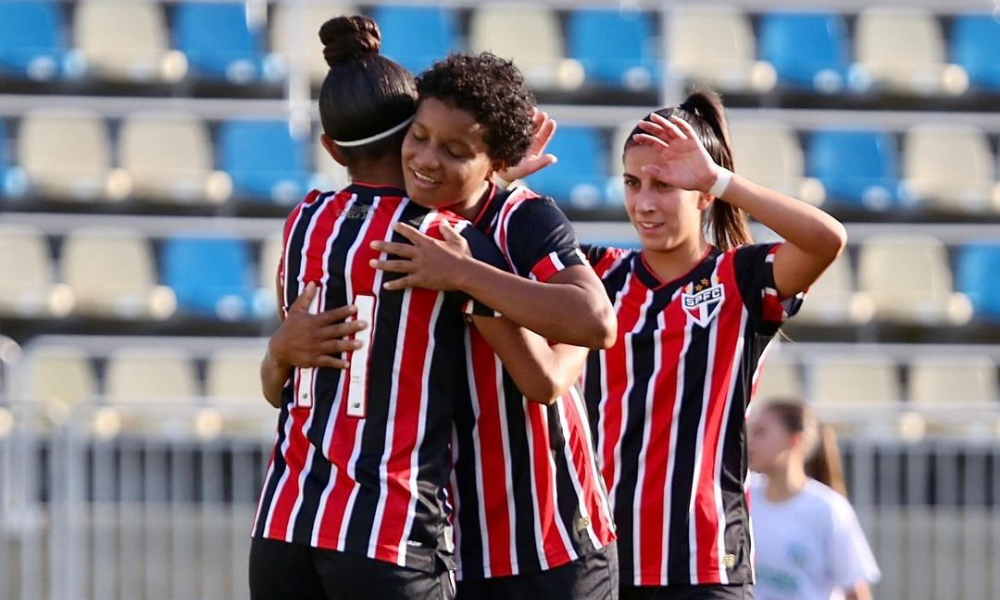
<point>808,49</point>
<point>211,277</point>
<point>615,47</point>
<point>578,180</point>
<point>33,40</point>
<point>976,274</point>
<point>975,46</point>
<point>858,168</point>
<point>13,182</point>
<point>263,160</point>
<point>219,44</point>
<point>438,34</point>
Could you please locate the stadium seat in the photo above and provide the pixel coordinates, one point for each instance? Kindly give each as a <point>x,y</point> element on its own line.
<point>66,154</point>
<point>833,299</point>
<point>778,379</point>
<point>809,49</point>
<point>328,173</point>
<point>112,274</point>
<point>126,41</point>
<point>977,269</point>
<point>975,46</point>
<point>949,380</point>
<point>528,34</point>
<point>579,178</point>
<point>263,160</point>
<point>715,46</point>
<point>901,49</point>
<point>852,380</point>
<point>233,374</point>
<point>33,41</point>
<point>221,44</point>
<point>616,47</point>
<point>951,168</point>
<point>769,153</point>
<point>438,36</point>
<point>27,275</point>
<point>295,35</point>
<point>857,168</point>
<point>169,158</point>
<point>153,374</point>
<point>909,279</point>
<point>60,377</point>
<point>210,276</point>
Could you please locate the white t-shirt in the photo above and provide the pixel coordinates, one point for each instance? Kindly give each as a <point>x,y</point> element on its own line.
<point>809,547</point>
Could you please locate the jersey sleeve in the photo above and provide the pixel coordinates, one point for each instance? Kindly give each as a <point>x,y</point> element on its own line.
<point>754,266</point>
<point>483,249</point>
<point>851,556</point>
<point>539,240</point>
<point>601,258</point>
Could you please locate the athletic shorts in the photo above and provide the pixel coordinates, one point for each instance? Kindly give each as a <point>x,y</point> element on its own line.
<point>590,577</point>
<point>284,571</point>
<point>688,592</point>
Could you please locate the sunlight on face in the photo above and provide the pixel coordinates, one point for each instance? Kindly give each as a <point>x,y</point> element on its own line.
<point>664,216</point>
<point>445,161</point>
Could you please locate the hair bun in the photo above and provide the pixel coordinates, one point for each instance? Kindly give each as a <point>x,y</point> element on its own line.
<point>349,38</point>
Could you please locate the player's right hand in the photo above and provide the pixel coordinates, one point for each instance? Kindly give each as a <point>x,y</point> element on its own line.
<point>315,340</point>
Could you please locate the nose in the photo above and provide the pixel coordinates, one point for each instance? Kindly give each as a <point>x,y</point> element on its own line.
<point>644,201</point>
<point>425,158</point>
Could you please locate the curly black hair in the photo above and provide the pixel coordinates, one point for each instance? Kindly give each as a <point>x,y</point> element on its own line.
<point>492,90</point>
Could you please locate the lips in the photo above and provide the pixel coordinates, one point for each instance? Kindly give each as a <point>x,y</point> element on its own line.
<point>423,179</point>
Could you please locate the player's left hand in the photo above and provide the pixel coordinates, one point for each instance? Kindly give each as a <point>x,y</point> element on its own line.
<point>688,164</point>
<point>428,263</point>
<point>535,159</point>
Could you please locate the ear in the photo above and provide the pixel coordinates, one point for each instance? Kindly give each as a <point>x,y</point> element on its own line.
<point>332,149</point>
<point>705,200</point>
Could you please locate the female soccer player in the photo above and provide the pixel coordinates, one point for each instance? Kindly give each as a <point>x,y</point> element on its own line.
<point>532,519</point>
<point>808,540</point>
<point>353,503</point>
<point>667,402</point>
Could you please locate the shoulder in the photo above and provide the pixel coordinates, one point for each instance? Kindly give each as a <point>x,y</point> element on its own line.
<point>828,501</point>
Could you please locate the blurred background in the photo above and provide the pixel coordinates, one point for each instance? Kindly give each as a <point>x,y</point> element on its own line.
<point>149,151</point>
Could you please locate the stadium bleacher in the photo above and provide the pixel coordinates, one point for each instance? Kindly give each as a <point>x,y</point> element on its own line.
<point>150,150</point>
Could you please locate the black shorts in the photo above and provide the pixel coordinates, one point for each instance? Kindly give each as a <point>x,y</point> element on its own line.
<point>283,571</point>
<point>688,592</point>
<point>590,577</point>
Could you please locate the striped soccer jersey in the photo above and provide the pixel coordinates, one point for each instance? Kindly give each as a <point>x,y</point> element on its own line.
<point>668,405</point>
<point>526,488</point>
<point>374,485</point>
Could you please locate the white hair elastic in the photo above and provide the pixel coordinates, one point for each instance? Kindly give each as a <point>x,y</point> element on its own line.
<point>374,138</point>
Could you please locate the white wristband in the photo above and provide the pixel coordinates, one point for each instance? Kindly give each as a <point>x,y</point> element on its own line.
<point>721,182</point>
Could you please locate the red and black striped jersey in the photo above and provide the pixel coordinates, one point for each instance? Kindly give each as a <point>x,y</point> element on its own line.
<point>369,477</point>
<point>526,488</point>
<point>668,405</point>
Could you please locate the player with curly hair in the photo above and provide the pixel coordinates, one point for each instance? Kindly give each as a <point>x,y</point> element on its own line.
<point>532,516</point>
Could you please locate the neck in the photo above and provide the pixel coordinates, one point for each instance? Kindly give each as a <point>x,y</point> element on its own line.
<point>785,482</point>
<point>470,208</point>
<point>675,262</point>
<point>386,170</point>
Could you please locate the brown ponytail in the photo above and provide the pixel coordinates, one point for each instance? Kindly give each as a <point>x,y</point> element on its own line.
<point>823,461</point>
<point>727,225</point>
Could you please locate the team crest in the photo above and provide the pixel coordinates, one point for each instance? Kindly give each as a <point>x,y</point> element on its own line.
<point>703,305</point>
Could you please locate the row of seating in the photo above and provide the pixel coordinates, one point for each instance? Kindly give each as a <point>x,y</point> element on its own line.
<point>114,273</point>
<point>136,373</point>
<point>894,48</point>
<point>944,386</point>
<point>70,155</point>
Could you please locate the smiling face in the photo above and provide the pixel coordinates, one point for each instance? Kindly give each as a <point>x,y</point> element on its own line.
<point>445,160</point>
<point>664,216</point>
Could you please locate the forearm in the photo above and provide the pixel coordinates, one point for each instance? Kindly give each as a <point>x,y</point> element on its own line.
<point>561,312</point>
<point>808,228</point>
<point>273,376</point>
